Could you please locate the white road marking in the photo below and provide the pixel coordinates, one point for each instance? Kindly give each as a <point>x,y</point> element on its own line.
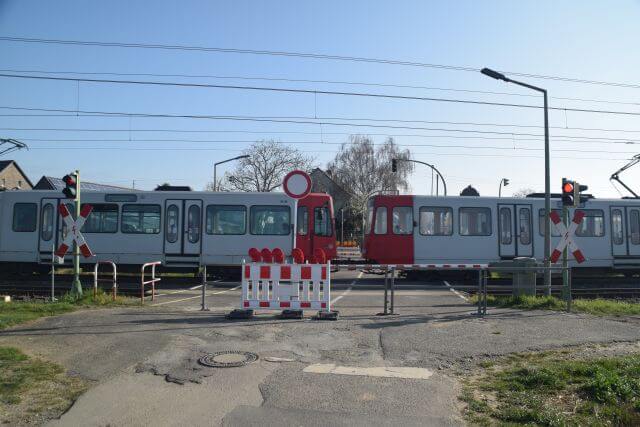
<point>383,371</point>
<point>345,293</point>
<point>454,291</point>
<point>197,296</point>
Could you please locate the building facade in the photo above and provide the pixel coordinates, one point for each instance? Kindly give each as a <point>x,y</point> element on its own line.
<point>12,177</point>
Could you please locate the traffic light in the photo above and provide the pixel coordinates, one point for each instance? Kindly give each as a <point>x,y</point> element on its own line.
<point>71,186</point>
<point>577,193</point>
<point>568,192</point>
<point>394,165</point>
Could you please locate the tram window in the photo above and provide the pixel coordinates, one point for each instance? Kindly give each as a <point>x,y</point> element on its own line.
<point>541,217</point>
<point>47,222</point>
<point>172,223</point>
<point>436,221</point>
<point>402,220</point>
<point>505,226</point>
<point>475,221</point>
<point>525,226</point>
<point>322,222</point>
<point>616,227</point>
<point>141,219</point>
<point>25,217</point>
<point>193,223</point>
<point>381,221</point>
<point>226,219</point>
<point>367,229</point>
<point>592,225</point>
<point>102,219</point>
<point>303,220</point>
<point>270,220</point>
<point>634,226</point>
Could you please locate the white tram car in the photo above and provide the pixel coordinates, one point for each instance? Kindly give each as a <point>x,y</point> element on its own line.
<point>409,229</point>
<point>180,229</point>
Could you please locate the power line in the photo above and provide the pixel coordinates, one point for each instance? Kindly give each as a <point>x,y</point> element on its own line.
<point>319,92</point>
<point>75,114</point>
<point>306,122</point>
<point>321,151</point>
<point>306,55</point>
<point>337,82</point>
<point>224,141</point>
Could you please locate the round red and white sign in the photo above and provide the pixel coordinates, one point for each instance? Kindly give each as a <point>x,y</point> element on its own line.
<point>297,184</point>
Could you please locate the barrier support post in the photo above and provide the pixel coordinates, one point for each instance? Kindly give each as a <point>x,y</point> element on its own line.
<point>393,287</point>
<point>203,306</point>
<point>486,292</point>
<point>480,278</point>
<point>569,292</point>
<point>151,282</point>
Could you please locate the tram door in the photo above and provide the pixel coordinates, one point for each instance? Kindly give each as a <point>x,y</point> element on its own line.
<point>625,231</point>
<point>183,227</point>
<point>515,237</point>
<point>50,227</point>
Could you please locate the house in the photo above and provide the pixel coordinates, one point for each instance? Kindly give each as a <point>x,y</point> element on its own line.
<point>321,182</point>
<point>51,183</point>
<point>12,177</point>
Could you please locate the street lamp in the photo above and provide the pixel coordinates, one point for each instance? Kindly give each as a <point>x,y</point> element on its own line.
<point>505,182</point>
<point>394,168</point>
<point>547,168</point>
<point>215,165</point>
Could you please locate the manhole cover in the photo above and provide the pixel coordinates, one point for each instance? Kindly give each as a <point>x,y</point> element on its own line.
<point>228,359</point>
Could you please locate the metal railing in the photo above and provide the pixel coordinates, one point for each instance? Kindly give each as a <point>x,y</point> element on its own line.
<point>113,280</point>
<point>151,281</point>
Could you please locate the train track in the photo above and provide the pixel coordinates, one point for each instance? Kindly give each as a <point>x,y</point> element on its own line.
<point>585,287</point>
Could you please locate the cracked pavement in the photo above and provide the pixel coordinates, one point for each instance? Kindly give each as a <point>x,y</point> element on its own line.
<point>144,360</point>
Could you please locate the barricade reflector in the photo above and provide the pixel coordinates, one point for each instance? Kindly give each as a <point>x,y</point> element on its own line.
<point>265,272</point>
<point>285,272</point>
<point>305,273</point>
<point>285,304</point>
<point>305,305</point>
<point>247,271</point>
<point>246,304</point>
<point>264,303</point>
<point>324,273</point>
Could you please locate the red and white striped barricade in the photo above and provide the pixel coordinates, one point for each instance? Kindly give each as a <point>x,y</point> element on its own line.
<point>287,287</point>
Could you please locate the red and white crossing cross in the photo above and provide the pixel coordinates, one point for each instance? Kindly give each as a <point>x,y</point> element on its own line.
<point>566,236</point>
<point>73,231</point>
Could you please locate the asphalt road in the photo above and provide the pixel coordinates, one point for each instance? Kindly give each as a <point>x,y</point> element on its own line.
<point>362,369</point>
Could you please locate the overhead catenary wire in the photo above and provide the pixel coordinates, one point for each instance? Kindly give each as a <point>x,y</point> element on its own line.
<point>292,121</point>
<point>324,142</point>
<point>308,56</point>
<point>322,92</point>
<point>316,81</point>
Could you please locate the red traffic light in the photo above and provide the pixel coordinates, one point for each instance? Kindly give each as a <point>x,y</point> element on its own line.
<point>567,187</point>
<point>69,180</point>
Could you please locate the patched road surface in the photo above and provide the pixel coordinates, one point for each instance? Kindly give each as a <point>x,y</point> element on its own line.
<point>362,369</point>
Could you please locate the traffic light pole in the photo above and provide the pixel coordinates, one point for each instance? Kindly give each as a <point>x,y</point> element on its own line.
<point>565,262</point>
<point>76,287</point>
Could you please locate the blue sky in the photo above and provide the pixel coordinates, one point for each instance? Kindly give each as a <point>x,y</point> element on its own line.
<point>581,39</point>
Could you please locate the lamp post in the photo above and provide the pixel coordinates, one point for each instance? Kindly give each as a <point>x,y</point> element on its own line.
<point>394,168</point>
<point>547,171</point>
<point>215,165</point>
<point>505,182</point>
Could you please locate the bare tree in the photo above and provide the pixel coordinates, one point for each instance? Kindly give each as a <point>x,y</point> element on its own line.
<point>264,169</point>
<point>361,168</point>
<point>523,192</point>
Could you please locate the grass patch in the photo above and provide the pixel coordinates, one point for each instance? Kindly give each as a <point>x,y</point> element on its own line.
<point>599,306</point>
<point>33,390</point>
<point>14,313</point>
<point>552,390</point>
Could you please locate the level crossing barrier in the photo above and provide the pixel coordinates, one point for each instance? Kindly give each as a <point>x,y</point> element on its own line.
<point>152,281</point>
<point>268,283</point>
<point>113,280</point>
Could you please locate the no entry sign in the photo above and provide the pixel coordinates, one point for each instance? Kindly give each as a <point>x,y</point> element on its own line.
<point>297,184</point>
<point>73,231</point>
<point>566,236</point>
